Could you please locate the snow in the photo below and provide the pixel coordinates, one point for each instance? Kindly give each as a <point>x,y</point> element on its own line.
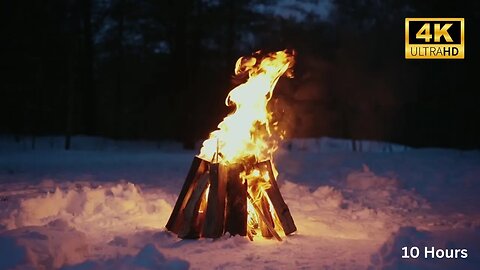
<point>389,256</point>
<point>104,205</point>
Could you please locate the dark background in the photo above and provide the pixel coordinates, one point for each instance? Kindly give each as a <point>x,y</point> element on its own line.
<point>160,70</point>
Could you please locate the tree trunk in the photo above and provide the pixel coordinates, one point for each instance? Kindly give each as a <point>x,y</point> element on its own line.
<point>181,72</point>
<point>119,105</point>
<point>231,34</point>
<point>89,100</point>
<point>70,93</point>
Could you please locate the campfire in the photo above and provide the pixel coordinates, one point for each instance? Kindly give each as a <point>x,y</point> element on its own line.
<point>231,185</point>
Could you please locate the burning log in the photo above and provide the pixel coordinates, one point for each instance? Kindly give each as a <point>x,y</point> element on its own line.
<point>197,169</point>
<point>265,209</point>
<point>265,220</point>
<point>213,227</point>
<point>234,192</point>
<point>281,208</point>
<point>236,222</point>
<point>224,194</point>
<point>189,228</point>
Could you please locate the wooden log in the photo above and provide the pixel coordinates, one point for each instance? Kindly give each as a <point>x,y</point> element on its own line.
<point>197,169</point>
<point>200,220</point>
<point>236,219</point>
<point>215,216</point>
<point>249,235</point>
<point>189,228</point>
<point>279,205</point>
<point>265,207</point>
<point>263,218</point>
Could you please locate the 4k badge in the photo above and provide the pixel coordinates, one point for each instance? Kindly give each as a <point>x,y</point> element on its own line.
<point>434,38</point>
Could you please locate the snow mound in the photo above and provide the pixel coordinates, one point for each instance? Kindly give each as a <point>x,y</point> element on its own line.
<point>149,257</point>
<point>363,206</point>
<point>366,179</point>
<point>11,255</point>
<point>43,247</point>
<point>326,212</point>
<point>389,256</point>
<point>380,192</point>
<point>101,212</point>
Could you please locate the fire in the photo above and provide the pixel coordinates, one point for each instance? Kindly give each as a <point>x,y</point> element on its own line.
<point>246,137</point>
<point>203,204</point>
<point>257,183</point>
<point>246,132</point>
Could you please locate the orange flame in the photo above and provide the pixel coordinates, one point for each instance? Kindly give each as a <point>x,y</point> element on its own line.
<point>257,183</point>
<point>246,132</point>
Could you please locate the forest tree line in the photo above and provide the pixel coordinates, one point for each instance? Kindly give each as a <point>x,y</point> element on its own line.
<point>161,70</point>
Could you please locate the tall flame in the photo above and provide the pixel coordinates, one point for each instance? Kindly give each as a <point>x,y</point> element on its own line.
<point>246,132</point>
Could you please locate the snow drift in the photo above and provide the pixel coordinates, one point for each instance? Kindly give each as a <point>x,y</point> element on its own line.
<point>104,206</point>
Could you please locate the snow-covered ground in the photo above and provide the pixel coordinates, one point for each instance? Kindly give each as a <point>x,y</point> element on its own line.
<point>104,205</point>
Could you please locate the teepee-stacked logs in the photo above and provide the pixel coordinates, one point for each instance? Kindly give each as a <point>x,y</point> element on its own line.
<point>213,201</point>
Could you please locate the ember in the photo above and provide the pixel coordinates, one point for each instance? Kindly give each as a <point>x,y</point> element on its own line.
<point>231,185</point>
